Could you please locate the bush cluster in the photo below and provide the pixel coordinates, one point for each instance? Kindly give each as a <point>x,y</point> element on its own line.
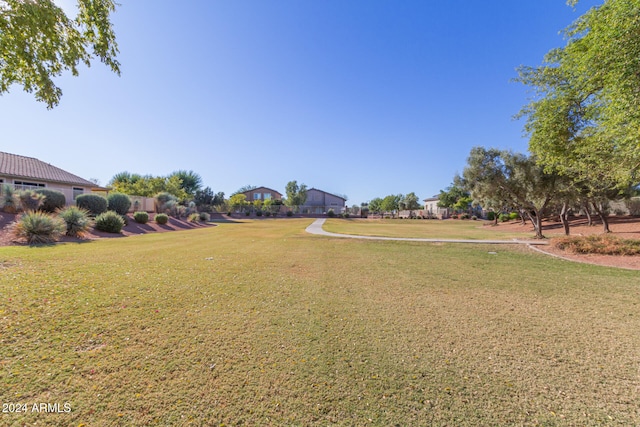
<point>141,217</point>
<point>205,217</point>
<point>119,203</point>
<point>109,221</point>
<point>289,213</point>
<point>92,203</point>
<point>53,200</point>
<point>599,244</point>
<point>331,213</point>
<point>194,217</point>
<point>162,218</point>
<point>30,200</point>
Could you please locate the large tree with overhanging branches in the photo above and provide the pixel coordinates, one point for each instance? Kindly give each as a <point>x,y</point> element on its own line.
<point>39,41</point>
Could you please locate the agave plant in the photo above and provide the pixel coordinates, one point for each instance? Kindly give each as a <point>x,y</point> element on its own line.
<point>37,227</point>
<point>77,220</point>
<point>10,202</point>
<point>30,200</point>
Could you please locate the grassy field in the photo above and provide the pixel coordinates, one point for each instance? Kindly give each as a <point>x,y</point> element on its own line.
<point>433,229</point>
<point>258,323</point>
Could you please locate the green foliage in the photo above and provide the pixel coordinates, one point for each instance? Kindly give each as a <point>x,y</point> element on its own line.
<point>289,213</point>
<point>166,202</point>
<point>454,196</point>
<point>503,217</point>
<point>194,217</point>
<point>296,195</point>
<point>37,227</point>
<point>513,215</point>
<point>30,200</point>
<point>390,203</point>
<point>109,221</point>
<point>93,203</point>
<point>238,202</point>
<point>10,200</point>
<point>119,203</point>
<point>259,213</point>
<point>148,185</point>
<point>56,43</point>
<point>331,213</point>
<point>190,181</point>
<point>205,217</point>
<point>162,218</point>
<point>77,221</point>
<point>53,200</point>
<point>409,202</point>
<point>375,205</point>
<point>491,215</point>
<point>141,217</point>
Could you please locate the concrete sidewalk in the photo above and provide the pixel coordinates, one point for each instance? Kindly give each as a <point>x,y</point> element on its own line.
<point>316,228</point>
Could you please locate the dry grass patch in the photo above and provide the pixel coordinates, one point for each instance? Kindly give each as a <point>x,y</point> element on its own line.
<point>259,323</point>
<point>601,244</point>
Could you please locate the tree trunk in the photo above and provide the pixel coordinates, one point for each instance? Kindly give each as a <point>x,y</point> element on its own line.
<point>536,220</point>
<point>603,216</point>
<point>587,211</point>
<point>523,218</point>
<point>564,217</point>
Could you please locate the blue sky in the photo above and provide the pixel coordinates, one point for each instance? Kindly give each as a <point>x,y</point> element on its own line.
<point>363,98</point>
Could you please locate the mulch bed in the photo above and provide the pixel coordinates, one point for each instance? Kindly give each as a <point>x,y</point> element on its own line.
<point>131,229</point>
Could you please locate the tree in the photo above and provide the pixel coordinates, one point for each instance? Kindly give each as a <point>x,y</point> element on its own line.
<point>390,203</point>
<point>584,122</point>
<point>190,181</point>
<point>147,185</point>
<point>238,202</point>
<point>516,179</point>
<point>296,195</point>
<point>409,202</point>
<point>455,196</point>
<point>38,42</point>
<point>375,205</point>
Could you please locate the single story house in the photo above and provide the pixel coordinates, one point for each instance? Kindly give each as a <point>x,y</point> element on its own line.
<point>28,173</point>
<point>319,202</point>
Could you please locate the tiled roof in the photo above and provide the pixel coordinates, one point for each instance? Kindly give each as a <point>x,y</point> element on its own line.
<point>331,194</point>
<point>27,167</point>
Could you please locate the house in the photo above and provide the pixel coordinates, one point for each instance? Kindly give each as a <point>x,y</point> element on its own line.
<point>262,194</point>
<point>28,173</point>
<point>319,202</point>
<point>432,209</point>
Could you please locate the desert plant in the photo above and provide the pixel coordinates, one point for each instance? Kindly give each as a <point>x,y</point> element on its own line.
<point>454,216</point>
<point>205,217</point>
<point>53,200</point>
<point>36,227</point>
<point>141,217</point>
<point>93,203</point>
<point>289,213</point>
<point>30,200</point>
<point>119,203</point>
<point>259,213</point>
<point>109,221</point>
<point>162,199</point>
<point>191,208</point>
<point>180,211</point>
<point>162,218</point>
<point>10,202</point>
<point>464,216</point>
<point>194,217</point>
<point>77,220</point>
<point>475,218</point>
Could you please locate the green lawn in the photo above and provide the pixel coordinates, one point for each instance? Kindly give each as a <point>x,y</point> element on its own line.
<point>431,229</point>
<point>259,323</point>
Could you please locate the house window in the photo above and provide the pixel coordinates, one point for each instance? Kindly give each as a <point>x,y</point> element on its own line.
<point>256,196</point>
<point>23,185</point>
<point>266,196</point>
<point>77,191</point>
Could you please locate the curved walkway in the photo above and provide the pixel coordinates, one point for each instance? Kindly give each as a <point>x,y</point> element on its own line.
<point>316,228</point>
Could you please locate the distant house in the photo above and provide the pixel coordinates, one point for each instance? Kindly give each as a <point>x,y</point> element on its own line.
<point>319,202</point>
<point>262,194</point>
<point>432,209</point>
<point>27,173</point>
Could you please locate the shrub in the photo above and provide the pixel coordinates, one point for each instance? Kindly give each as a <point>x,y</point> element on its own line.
<point>205,217</point>
<point>93,203</point>
<point>119,203</point>
<point>267,213</point>
<point>30,200</point>
<point>162,218</point>
<point>162,199</point>
<point>513,215</point>
<point>331,213</point>
<point>259,213</point>
<point>599,244</point>
<point>289,213</point>
<point>53,200</point>
<point>503,217</point>
<point>194,217</point>
<point>141,217</point>
<point>454,216</point>
<point>77,220</point>
<point>475,218</point>
<point>491,216</point>
<point>191,208</point>
<point>10,202</point>
<point>247,213</point>
<point>634,207</point>
<point>36,227</point>
<point>109,221</point>
<point>345,215</point>
<point>464,216</point>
